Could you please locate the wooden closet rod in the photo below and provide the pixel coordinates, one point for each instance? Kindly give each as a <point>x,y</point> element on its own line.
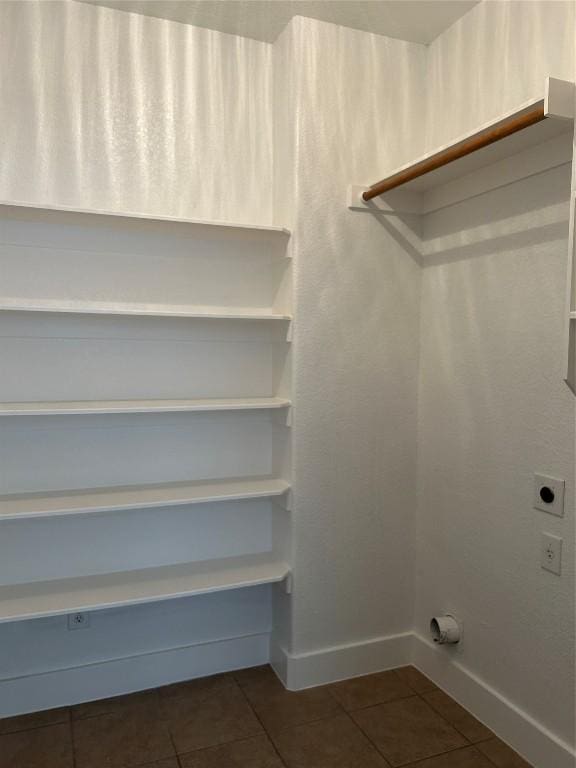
<point>479,140</point>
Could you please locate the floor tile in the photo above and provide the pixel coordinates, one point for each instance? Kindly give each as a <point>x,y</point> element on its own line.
<point>34,720</point>
<point>501,755</point>
<point>49,747</point>
<point>333,743</point>
<point>278,708</point>
<point>408,730</point>
<point>369,690</point>
<point>220,716</point>
<point>256,752</point>
<point>126,738</point>
<point>457,716</point>
<point>171,762</point>
<point>118,704</point>
<point>415,679</point>
<point>469,757</point>
<point>254,674</point>
<point>197,690</point>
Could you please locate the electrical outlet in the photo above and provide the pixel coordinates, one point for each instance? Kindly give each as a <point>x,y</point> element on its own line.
<point>78,621</point>
<point>549,495</point>
<point>551,553</point>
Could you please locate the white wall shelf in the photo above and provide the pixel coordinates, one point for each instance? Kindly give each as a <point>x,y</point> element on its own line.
<point>108,317</point>
<point>118,498</point>
<point>92,593</point>
<point>444,177</point>
<point>87,407</point>
<point>138,310</point>
<point>120,217</point>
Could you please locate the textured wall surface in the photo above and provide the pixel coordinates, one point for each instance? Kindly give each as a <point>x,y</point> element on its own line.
<point>493,59</point>
<point>113,110</point>
<point>493,407</point>
<point>357,294</point>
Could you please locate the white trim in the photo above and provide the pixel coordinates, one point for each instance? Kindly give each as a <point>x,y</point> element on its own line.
<point>512,724</point>
<point>559,98</point>
<point>127,216</point>
<point>99,592</point>
<point>96,407</point>
<point>115,677</point>
<point>133,309</point>
<point>84,501</point>
<point>392,203</point>
<point>340,662</point>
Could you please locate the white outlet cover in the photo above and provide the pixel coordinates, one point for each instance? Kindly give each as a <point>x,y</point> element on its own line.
<point>551,553</point>
<point>556,485</point>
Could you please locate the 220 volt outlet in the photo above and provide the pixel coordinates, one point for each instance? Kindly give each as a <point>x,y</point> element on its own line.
<point>549,495</point>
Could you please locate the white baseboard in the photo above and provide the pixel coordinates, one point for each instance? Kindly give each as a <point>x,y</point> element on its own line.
<point>339,662</point>
<point>514,726</point>
<point>119,676</point>
<point>100,680</point>
<point>531,739</point>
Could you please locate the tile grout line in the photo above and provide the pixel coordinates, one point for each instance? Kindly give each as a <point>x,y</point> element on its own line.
<point>369,740</point>
<point>492,734</point>
<point>165,722</point>
<point>74,762</point>
<point>470,743</point>
<point>424,759</point>
<point>529,765</point>
<point>268,736</point>
<point>408,765</point>
<point>442,717</point>
<point>34,727</point>
<point>380,703</point>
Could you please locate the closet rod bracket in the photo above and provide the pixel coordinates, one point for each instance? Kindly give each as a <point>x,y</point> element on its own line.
<point>391,204</point>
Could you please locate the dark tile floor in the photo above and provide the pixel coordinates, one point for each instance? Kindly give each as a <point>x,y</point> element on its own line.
<point>247,720</point>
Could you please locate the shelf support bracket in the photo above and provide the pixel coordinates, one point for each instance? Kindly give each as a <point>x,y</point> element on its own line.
<point>288,583</point>
<point>392,203</point>
<point>559,99</point>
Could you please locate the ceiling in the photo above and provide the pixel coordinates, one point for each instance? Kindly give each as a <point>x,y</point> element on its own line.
<point>419,21</point>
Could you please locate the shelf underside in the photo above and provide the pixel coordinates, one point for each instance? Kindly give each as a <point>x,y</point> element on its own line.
<point>88,407</point>
<point>90,593</point>
<point>138,310</point>
<point>118,498</point>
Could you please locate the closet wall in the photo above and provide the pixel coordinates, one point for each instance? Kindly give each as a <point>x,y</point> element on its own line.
<point>493,407</point>
<point>357,291</point>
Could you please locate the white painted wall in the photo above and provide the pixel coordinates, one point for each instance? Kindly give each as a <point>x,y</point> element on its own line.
<point>356,333</point>
<point>492,405</point>
<point>493,59</point>
<point>113,110</point>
